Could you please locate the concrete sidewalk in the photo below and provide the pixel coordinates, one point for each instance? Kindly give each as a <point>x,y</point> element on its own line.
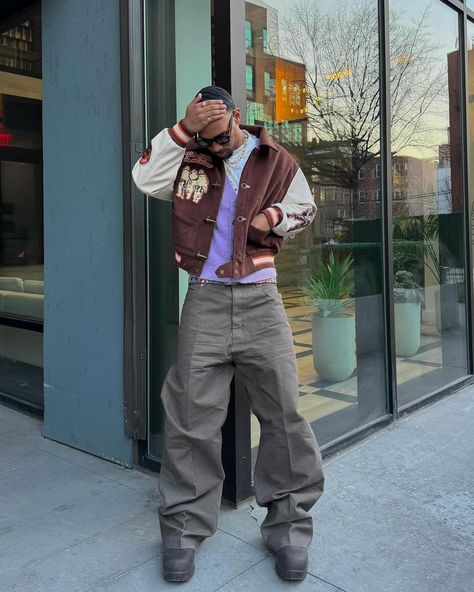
<point>397,515</point>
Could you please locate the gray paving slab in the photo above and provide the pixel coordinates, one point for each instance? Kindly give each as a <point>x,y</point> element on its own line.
<point>67,525</point>
<point>14,423</point>
<point>30,541</point>
<point>397,515</point>
<point>43,481</point>
<point>20,445</point>
<point>219,560</point>
<point>429,453</point>
<point>398,510</point>
<point>80,565</point>
<point>372,537</point>
<point>139,480</point>
<point>243,523</point>
<point>263,578</point>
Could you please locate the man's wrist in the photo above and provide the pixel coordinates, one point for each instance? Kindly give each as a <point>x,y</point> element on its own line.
<point>180,133</point>
<point>186,127</point>
<point>273,215</point>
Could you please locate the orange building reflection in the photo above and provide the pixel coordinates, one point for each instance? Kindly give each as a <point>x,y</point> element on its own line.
<point>290,91</point>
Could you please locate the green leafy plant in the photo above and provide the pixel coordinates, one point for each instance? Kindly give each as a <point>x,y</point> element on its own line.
<point>416,243</point>
<point>331,286</point>
<point>405,288</point>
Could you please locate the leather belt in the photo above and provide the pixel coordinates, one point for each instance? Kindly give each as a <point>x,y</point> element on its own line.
<point>196,280</point>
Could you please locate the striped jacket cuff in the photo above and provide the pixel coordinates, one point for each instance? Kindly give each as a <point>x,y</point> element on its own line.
<point>180,134</point>
<point>274,215</point>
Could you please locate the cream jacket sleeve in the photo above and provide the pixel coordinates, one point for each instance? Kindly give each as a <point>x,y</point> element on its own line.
<point>296,211</point>
<point>155,172</point>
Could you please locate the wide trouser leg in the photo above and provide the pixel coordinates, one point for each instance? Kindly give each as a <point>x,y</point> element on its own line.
<point>195,397</point>
<point>288,475</point>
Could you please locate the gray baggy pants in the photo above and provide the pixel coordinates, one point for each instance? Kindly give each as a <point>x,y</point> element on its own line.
<point>221,326</point>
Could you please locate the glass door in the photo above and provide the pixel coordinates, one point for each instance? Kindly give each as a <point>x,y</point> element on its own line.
<point>175,70</point>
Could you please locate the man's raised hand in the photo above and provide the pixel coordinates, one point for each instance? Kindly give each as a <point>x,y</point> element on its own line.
<point>201,113</point>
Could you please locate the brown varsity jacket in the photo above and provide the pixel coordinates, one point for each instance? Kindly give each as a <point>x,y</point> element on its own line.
<point>175,168</point>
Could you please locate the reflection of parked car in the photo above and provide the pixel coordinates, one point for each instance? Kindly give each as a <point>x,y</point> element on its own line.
<point>23,298</point>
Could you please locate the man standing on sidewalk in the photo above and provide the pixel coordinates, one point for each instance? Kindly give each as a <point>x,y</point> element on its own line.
<point>236,195</point>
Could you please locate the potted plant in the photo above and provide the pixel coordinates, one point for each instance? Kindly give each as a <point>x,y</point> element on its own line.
<point>447,299</point>
<point>330,288</point>
<point>417,247</point>
<point>407,297</point>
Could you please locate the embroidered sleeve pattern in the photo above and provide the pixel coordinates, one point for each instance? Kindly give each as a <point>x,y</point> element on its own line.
<point>301,219</point>
<point>155,172</point>
<point>297,208</point>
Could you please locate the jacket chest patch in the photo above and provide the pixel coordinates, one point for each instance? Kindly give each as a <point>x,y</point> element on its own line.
<point>199,159</point>
<point>193,184</point>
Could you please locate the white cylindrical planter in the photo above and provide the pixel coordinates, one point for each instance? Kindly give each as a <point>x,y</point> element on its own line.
<point>447,307</point>
<point>407,328</point>
<point>334,348</point>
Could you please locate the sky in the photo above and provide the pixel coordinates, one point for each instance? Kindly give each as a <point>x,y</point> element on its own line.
<point>442,26</point>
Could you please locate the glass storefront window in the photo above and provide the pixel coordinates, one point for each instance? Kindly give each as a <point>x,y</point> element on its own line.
<point>21,207</point>
<point>317,94</point>
<point>428,235</point>
<point>21,238</point>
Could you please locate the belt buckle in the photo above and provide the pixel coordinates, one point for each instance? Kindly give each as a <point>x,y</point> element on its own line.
<point>197,280</point>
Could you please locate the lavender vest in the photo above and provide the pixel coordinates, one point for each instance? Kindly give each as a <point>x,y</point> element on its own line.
<point>220,251</point>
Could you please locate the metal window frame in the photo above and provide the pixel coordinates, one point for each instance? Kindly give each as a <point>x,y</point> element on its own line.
<point>134,254</point>
<point>158,56</point>
<point>229,72</point>
<point>391,391</point>
<point>466,182</point>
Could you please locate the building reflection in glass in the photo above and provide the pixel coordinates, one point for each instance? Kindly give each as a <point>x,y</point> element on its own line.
<point>312,79</point>
<point>316,92</point>
<point>428,234</point>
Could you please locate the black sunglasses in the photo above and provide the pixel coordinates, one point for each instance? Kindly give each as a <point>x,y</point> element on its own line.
<point>220,139</point>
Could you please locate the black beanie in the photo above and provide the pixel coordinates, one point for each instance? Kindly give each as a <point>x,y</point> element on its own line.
<point>216,92</point>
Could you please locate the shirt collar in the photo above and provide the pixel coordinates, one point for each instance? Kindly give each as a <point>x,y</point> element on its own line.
<point>262,135</point>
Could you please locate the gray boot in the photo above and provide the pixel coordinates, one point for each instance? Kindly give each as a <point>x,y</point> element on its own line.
<point>178,564</point>
<point>292,562</point>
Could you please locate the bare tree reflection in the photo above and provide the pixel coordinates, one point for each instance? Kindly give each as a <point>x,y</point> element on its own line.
<point>339,46</point>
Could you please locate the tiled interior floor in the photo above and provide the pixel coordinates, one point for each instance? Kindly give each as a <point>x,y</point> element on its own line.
<point>319,399</point>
